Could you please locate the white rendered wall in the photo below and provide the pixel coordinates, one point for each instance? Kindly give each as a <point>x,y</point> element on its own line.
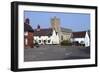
<point>55,38</point>
<point>79,39</point>
<point>87,40</point>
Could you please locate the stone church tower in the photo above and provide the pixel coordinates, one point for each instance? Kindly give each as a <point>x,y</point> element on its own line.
<point>55,24</point>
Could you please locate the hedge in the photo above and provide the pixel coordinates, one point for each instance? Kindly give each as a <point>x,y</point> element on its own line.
<point>66,43</point>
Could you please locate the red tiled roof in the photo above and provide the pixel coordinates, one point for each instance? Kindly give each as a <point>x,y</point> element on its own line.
<point>43,32</point>
<point>78,34</point>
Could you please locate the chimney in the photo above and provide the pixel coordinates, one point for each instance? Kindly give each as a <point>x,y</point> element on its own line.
<point>38,27</point>
<point>27,21</point>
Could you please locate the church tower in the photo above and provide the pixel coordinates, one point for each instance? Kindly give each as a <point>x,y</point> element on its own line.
<point>55,24</point>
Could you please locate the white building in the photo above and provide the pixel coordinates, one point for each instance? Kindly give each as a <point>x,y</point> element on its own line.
<point>45,36</point>
<point>87,39</point>
<point>82,37</point>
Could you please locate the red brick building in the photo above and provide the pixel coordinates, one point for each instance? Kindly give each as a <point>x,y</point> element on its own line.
<point>28,35</point>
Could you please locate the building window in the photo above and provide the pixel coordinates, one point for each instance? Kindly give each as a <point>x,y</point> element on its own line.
<point>26,41</point>
<point>48,41</point>
<point>39,41</point>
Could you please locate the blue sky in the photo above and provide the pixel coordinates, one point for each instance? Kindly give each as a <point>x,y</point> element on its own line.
<point>74,21</point>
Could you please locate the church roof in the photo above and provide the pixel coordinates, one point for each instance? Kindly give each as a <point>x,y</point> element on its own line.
<point>65,30</point>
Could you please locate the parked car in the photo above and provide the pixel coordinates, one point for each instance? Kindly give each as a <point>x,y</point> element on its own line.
<point>76,43</point>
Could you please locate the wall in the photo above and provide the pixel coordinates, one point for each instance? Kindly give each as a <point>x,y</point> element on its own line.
<point>79,39</point>
<point>66,36</point>
<point>5,27</point>
<point>42,38</point>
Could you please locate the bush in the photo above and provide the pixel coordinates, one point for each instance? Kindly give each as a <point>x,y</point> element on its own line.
<point>66,43</point>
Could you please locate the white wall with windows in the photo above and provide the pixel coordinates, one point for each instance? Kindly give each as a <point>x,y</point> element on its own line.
<point>85,40</point>
<point>42,39</point>
<point>79,40</point>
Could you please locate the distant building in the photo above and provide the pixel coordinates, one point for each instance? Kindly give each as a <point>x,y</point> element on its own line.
<point>82,37</point>
<point>28,35</point>
<point>66,34</point>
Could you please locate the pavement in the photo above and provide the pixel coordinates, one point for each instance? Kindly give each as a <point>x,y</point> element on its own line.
<point>56,52</point>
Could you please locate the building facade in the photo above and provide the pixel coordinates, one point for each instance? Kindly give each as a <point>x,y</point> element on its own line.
<point>87,39</point>
<point>66,34</point>
<point>28,35</point>
<point>82,37</point>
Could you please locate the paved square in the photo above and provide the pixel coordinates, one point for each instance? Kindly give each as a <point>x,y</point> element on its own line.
<point>56,52</point>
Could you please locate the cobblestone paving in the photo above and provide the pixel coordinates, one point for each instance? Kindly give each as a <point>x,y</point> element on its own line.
<point>56,52</point>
